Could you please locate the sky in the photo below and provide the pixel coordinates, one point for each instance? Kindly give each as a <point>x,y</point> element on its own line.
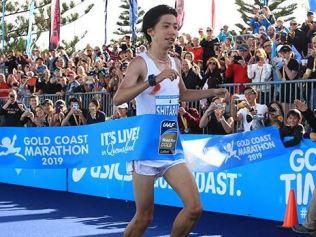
<point>197,14</point>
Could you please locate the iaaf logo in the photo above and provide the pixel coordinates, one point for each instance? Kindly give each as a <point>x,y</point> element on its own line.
<point>169,124</point>
<point>101,172</point>
<point>8,145</point>
<point>301,162</point>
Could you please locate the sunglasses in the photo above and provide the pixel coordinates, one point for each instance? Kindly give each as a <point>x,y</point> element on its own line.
<point>212,63</point>
<point>267,45</point>
<point>250,93</point>
<point>209,30</point>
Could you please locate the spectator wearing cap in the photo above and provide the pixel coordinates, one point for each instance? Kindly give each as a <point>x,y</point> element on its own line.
<point>297,38</point>
<point>120,111</point>
<point>236,67</point>
<point>201,34</point>
<point>59,113</point>
<point>197,50</point>
<point>95,115</point>
<point>208,45</point>
<point>224,34</point>
<point>288,72</point>
<point>267,46</point>
<point>308,27</point>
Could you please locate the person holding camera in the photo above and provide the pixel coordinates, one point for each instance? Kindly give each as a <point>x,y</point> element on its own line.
<point>250,113</point>
<point>59,113</point>
<point>216,120</point>
<point>12,111</point>
<point>236,67</point>
<point>75,115</point>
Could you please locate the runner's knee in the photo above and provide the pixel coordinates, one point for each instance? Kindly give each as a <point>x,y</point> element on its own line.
<point>195,210</point>
<point>144,217</point>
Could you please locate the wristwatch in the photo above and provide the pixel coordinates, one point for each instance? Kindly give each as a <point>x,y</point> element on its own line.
<point>152,80</point>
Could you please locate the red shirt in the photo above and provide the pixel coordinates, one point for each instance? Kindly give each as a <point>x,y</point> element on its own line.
<point>198,53</point>
<point>4,85</point>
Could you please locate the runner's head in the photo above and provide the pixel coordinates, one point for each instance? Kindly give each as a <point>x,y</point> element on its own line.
<point>160,25</point>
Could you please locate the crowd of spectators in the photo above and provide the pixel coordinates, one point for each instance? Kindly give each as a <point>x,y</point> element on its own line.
<point>268,55</point>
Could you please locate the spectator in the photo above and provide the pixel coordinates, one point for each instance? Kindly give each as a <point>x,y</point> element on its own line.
<point>190,75</point>
<point>216,120</point>
<point>75,115</point>
<point>251,113</point>
<point>236,67</point>
<point>4,87</point>
<point>224,34</point>
<point>213,77</point>
<point>293,128</point>
<point>308,27</point>
<point>275,115</point>
<point>12,111</point>
<point>33,101</point>
<point>48,107</point>
<point>40,117</point>
<point>308,115</point>
<point>59,113</point>
<point>197,50</point>
<point>95,115</point>
<point>188,119</point>
<point>268,14</point>
<point>279,27</point>
<point>201,34</point>
<point>260,72</point>
<point>208,45</point>
<point>120,111</point>
<point>310,73</point>
<point>297,38</point>
<point>288,72</point>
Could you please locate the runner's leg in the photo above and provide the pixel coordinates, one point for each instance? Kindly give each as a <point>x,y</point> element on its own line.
<point>144,201</point>
<point>180,178</point>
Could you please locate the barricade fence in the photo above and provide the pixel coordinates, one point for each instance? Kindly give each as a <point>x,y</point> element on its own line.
<point>283,92</point>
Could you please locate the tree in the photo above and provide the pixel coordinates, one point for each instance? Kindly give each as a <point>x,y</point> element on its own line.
<point>280,8</point>
<point>16,20</point>
<point>123,23</point>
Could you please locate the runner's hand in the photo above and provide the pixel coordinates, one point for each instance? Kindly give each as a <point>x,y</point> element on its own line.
<point>167,73</point>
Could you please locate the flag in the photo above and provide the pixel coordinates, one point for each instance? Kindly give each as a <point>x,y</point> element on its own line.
<point>105,21</point>
<point>54,25</point>
<point>213,10</point>
<point>133,16</point>
<point>29,33</point>
<point>180,12</point>
<point>3,26</point>
<point>312,5</point>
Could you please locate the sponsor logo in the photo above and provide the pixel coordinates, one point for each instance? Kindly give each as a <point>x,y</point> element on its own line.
<point>8,145</point>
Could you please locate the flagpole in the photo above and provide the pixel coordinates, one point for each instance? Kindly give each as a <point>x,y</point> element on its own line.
<point>105,21</point>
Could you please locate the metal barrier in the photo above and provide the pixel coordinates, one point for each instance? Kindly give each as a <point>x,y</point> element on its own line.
<point>284,92</point>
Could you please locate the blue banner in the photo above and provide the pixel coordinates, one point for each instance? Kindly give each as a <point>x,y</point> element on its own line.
<point>229,151</point>
<point>133,16</point>
<point>147,137</point>
<point>29,33</point>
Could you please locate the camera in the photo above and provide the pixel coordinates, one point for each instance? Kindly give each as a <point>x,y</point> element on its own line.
<point>75,106</point>
<point>236,58</point>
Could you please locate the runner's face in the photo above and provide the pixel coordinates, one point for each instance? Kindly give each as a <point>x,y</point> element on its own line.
<point>165,32</point>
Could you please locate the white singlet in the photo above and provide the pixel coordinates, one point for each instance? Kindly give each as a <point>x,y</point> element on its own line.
<point>162,99</point>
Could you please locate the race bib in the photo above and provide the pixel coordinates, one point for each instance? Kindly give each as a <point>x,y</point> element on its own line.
<point>167,105</point>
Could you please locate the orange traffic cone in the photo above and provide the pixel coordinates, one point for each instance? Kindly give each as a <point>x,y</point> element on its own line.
<point>290,218</point>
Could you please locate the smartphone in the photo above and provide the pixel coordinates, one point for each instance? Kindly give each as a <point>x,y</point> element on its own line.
<point>75,106</point>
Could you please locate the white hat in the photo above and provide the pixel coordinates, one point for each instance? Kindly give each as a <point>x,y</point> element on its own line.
<point>122,106</point>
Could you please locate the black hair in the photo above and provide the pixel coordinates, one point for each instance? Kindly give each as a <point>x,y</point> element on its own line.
<point>152,17</point>
<point>95,102</point>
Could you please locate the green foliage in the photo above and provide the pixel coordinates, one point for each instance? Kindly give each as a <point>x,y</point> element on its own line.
<point>280,8</point>
<point>16,20</point>
<point>123,23</point>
